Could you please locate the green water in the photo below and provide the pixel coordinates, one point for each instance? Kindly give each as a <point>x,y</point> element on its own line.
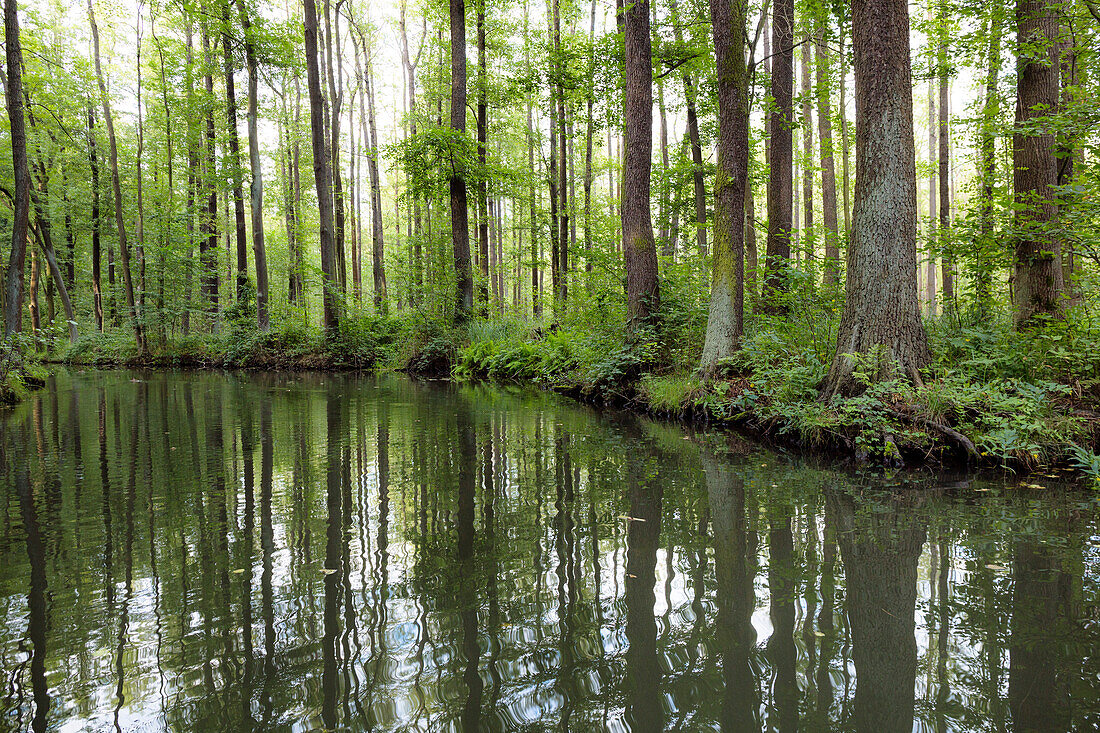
<point>184,551</point>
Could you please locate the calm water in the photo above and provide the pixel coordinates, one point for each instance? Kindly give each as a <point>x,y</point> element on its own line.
<point>291,553</point>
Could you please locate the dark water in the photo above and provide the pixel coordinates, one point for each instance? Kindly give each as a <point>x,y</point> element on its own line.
<point>210,552</point>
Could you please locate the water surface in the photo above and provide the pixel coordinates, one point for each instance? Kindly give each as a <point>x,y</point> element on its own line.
<point>191,551</point>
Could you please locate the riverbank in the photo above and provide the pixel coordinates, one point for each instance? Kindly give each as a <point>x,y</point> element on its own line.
<point>983,403</point>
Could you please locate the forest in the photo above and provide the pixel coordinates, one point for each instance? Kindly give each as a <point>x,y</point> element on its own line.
<point>865,228</point>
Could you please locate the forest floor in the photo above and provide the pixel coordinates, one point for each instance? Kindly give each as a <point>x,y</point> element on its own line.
<point>992,399</point>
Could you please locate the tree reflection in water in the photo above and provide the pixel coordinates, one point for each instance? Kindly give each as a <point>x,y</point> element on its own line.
<point>266,552</point>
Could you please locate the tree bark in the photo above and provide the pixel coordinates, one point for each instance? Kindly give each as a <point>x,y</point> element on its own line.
<point>828,168</point>
<point>97,255</point>
<point>991,108</point>
<point>208,248</point>
<point>947,260</point>
<point>13,287</point>
<point>236,175</point>
<point>334,72</point>
<point>808,240</point>
<point>460,223</point>
<point>259,246</point>
<point>482,132</point>
<point>881,308</point>
<point>780,184</point>
<point>640,254</point>
<point>120,223</point>
<point>321,172</point>
<point>725,317</point>
<point>1039,280</point>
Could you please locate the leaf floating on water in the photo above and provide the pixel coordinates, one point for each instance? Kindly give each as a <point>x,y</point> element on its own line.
<point>631,519</point>
<point>238,570</point>
<point>1033,486</point>
<point>819,633</point>
<point>328,571</point>
<point>631,575</point>
<point>996,567</point>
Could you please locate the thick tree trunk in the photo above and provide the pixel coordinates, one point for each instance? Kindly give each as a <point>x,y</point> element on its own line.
<point>881,308</point>
<point>880,566</point>
<point>1039,280</point>
<point>120,223</point>
<point>780,184</point>
<point>828,168</point>
<point>640,254</point>
<point>321,172</point>
<point>259,246</point>
<point>727,293</point>
<point>13,287</point>
<point>460,223</point>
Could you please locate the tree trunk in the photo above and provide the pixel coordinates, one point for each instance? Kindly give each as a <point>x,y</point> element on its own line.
<point>881,308</point>
<point>13,287</point>
<point>828,169</point>
<point>991,109</point>
<point>259,246</point>
<point>482,132</point>
<point>460,223</point>
<point>947,260</point>
<point>930,267</point>
<point>588,136</point>
<point>844,135</point>
<point>97,255</point>
<point>727,294</point>
<point>1039,280</point>
<point>563,206</point>
<point>378,269</point>
<point>640,254</point>
<point>808,240</point>
<point>696,150</point>
<point>208,247</point>
<point>780,183</point>
<point>321,172</point>
<point>124,250</point>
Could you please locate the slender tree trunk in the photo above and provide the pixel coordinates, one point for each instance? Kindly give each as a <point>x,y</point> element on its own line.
<point>697,171</point>
<point>930,268</point>
<point>844,135</point>
<point>588,135</point>
<point>881,308</point>
<point>124,250</point>
<point>460,224</point>
<point>555,227</point>
<point>808,239</point>
<point>259,246</point>
<point>97,256</point>
<point>640,254</point>
<point>482,132</point>
<point>991,109</point>
<point>321,172</point>
<point>139,225</point>
<point>208,250</point>
<point>828,169</point>
<point>334,72</point>
<point>1039,283</point>
<point>192,169</point>
<point>378,269</point>
<point>563,206</point>
<point>948,261</point>
<point>780,184</point>
<point>727,293</point>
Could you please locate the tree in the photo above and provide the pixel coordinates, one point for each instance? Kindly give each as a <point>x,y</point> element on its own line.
<point>880,307</point>
<point>322,174</point>
<point>116,186</point>
<point>727,292</point>
<point>639,249</point>
<point>1039,281</point>
<point>259,246</point>
<point>781,156</point>
<point>460,226</point>
<point>828,169</point>
<point>13,288</point>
